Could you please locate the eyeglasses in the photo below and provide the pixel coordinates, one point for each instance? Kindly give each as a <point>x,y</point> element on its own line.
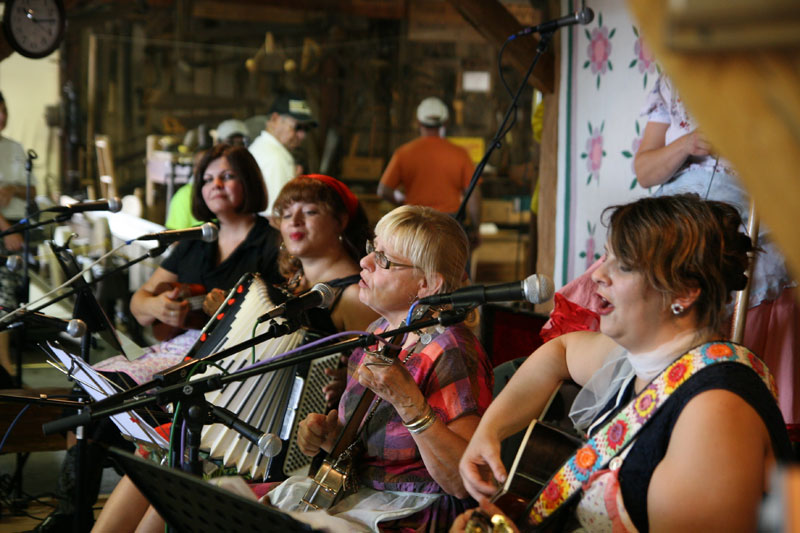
<point>381,260</point>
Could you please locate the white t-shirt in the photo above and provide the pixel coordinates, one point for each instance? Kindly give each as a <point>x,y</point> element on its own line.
<point>12,172</point>
<point>276,164</point>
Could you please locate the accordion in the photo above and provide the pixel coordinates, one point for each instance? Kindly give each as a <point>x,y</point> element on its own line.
<point>274,402</point>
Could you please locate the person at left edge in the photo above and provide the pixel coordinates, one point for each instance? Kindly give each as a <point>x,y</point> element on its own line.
<point>12,208</point>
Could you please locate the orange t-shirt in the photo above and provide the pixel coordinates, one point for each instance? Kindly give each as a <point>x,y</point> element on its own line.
<point>433,172</point>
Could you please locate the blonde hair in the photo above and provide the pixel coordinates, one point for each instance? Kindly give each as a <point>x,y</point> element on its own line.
<point>432,241</point>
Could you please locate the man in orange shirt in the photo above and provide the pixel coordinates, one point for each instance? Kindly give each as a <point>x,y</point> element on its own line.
<point>431,170</point>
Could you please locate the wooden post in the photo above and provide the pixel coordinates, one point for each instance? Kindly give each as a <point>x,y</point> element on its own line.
<point>87,179</point>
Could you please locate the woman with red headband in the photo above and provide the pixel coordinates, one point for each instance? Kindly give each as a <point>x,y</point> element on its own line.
<point>324,232</point>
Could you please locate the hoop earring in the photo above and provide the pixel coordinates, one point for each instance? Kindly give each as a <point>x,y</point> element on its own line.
<point>677,309</point>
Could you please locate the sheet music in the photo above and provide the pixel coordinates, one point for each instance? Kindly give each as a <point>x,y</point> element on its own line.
<point>99,388</point>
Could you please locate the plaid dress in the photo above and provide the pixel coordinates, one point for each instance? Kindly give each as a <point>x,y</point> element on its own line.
<point>455,375</point>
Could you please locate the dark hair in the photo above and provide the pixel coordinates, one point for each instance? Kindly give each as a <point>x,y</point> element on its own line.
<point>301,189</point>
<point>680,243</point>
<point>246,169</point>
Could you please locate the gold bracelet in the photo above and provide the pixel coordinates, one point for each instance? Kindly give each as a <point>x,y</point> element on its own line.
<point>421,423</point>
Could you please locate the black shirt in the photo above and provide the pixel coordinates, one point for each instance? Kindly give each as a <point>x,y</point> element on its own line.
<point>195,261</point>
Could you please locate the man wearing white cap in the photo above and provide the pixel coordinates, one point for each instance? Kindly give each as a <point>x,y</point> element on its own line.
<point>289,120</point>
<point>431,170</point>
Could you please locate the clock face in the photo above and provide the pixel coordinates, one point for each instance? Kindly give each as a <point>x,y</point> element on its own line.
<point>34,27</point>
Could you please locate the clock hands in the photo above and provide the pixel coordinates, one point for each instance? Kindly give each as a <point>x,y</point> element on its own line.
<point>29,13</point>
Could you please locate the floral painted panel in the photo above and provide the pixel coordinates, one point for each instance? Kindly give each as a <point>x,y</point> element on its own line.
<point>599,127</point>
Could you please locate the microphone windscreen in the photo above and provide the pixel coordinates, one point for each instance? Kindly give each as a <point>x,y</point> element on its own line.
<point>328,295</point>
<point>539,288</point>
<point>114,205</point>
<point>76,328</point>
<point>585,15</point>
<point>209,232</point>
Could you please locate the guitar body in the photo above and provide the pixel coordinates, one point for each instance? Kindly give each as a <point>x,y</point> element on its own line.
<point>543,450</point>
<point>195,319</point>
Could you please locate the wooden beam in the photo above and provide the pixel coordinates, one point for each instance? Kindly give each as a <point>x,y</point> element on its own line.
<point>548,179</point>
<point>748,106</point>
<point>496,23</point>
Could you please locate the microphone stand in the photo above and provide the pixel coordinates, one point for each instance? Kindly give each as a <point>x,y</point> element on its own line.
<point>153,253</point>
<point>496,142</point>
<point>190,392</point>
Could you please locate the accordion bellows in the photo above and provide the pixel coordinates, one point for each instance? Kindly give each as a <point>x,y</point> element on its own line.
<point>273,402</point>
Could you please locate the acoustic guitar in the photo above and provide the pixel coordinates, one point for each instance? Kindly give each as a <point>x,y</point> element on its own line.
<point>544,447</point>
<point>194,293</point>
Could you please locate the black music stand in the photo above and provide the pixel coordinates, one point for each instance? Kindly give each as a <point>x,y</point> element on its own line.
<point>188,503</point>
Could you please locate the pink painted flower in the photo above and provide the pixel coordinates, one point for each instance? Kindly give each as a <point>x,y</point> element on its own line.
<point>646,61</point>
<point>594,149</point>
<point>599,50</point>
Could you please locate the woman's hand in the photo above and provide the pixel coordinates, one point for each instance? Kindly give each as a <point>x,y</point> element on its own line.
<point>696,144</point>
<point>394,384</point>
<point>317,432</point>
<point>481,465</point>
<point>213,300</point>
<point>170,308</point>
<point>460,523</point>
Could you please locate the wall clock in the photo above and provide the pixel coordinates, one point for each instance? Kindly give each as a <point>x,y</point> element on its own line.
<point>34,28</point>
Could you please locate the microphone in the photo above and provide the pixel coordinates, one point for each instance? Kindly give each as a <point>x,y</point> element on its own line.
<point>268,444</point>
<point>207,232</point>
<point>536,289</point>
<point>13,262</point>
<point>113,205</point>
<point>74,327</point>
<point>584,16</point>
<point>320,295</point>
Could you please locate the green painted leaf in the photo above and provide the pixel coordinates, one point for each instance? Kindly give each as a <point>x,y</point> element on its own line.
<point>645,80</point>
<point>588,35</point>
<point>637,128</point>
<point>632,63</point>
<point>635,31</point>
<point>584,156</point>
<point>634,183</point>
<point>600,19</point>
<point>627,154</point>
<point>589,179</point>
<point>598,81</point>
<point>586,65</point>
<point>610,66</point>
<point>582,255</point>
<point>610,35</point>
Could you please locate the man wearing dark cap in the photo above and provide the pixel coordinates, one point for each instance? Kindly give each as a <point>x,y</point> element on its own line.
<point>288,121</point>
<point>430,170</point>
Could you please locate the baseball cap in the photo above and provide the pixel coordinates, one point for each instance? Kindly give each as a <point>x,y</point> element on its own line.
<point>432,112</point>
<point>294,106</point>
<point>230,127</point>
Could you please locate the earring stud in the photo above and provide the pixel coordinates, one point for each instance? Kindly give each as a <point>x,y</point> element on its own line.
<point>677,308</point>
